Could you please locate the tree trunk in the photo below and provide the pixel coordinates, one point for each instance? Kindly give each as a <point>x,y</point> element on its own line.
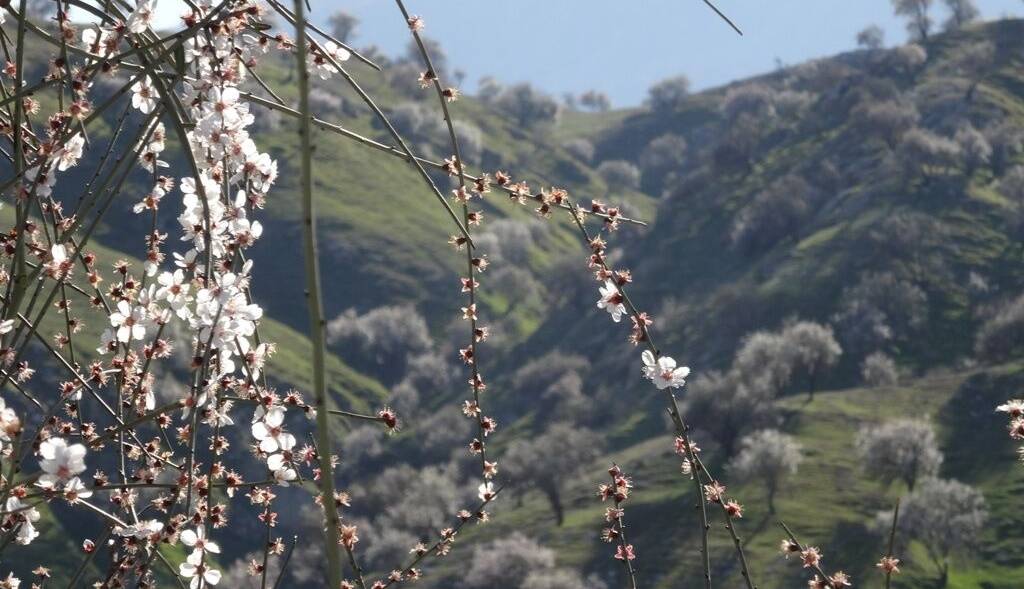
<point>812,381</point>
<point>555,499</point>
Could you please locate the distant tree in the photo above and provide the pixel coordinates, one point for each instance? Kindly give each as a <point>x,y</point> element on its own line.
<point>429,372</point>
<point>438,56</point>
<point>774,214</point>
<point>755,99</point>
<point>974,147</point>
<point>974,60</point>
<point>569,100</point>
<point>900,450</point>
<point>668,95</point>
<point>946,517</point>
<point>488,89</point>
<point>440,432</point>
<point>1011,185</point>
<point>324,101</point>
<point>418,123</point>
<point>1002,334</point>
<point>238,576</point>
<point>907,59</point>
<point>792,103</point>
<point>528,106</point>
<point>403,77</point>
<point>887,120</point>
<point>550,461</point>
<point>872,37</point>
<point>879,370</point>
<point>813,349</point>
<point>768,457</point>
<point>518,284</point>
<point>662,156</point>
<point>343,25</point>
<point>911,237</point>
<point>922,153</point>
<point>765,359</point>
<point>403,497</point>
<point>879,309</point>
<point>382,341</point>
<point>727,406</point>
<point>1007,140</point>
<point>471,140</point>
<point>596,101</point>
<point>506,562</point>
<point>961,12</point>
<point>736,148</point>
<point>516,238</point>
<point>919,23</point>
<point>386,546</point>
<point>580,148</point>
<point>363,445</point>
<point>619,174</point>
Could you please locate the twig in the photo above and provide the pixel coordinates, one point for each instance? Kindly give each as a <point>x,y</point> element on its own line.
<point>723,17</point>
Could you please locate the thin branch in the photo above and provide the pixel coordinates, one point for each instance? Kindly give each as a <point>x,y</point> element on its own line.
<point>317,324</point>
<point>723,17</point>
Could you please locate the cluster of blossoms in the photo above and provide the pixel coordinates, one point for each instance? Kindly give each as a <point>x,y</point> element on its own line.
<point>810,557</point>
<point>203,290</point>
<point>714,492</point>
<point>1014,409</point>
<point>661,370</point>
<point>618,493</point>
<point>690,453</point>
<point>478,333</point>
<point>476,263</point>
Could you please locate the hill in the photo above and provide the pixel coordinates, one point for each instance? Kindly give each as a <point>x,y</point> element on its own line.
<point>877,193</point>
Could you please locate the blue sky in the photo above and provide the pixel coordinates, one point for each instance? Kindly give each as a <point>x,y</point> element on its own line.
<point>621,47</point>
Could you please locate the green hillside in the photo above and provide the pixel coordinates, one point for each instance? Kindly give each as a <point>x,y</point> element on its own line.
<point>793,198</point>
<point>829,504</point>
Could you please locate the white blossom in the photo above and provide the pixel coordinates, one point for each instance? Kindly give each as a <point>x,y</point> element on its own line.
<point>663,371</point>
<point>611,301</point>
<point>60,461</point>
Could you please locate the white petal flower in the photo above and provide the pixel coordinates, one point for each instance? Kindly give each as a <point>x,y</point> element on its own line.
<point>60,461</point>
<point>611,301</point>
<point>663,371</point>
<point>142,17</point>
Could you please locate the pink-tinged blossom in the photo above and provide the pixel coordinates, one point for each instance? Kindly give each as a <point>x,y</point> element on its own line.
<point>663,371</point>
<point>21,515</point>
<point>198,572</point>
<point>1014,408</point>
<point>129,322</point>
<point>271,434</point>
<point>611,300</point>
<point>142,17</point>
<point>196,539</point>
<point>144,96</point>
<point>69,155</point>
<point>486,491</point>
<point>889,565</point>
<point>60,461</point>
<point>810,556</point>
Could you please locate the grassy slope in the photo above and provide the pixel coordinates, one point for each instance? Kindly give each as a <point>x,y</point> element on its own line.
<point>830,503</point>
<point>726,293</point>
<point>383,226</point>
